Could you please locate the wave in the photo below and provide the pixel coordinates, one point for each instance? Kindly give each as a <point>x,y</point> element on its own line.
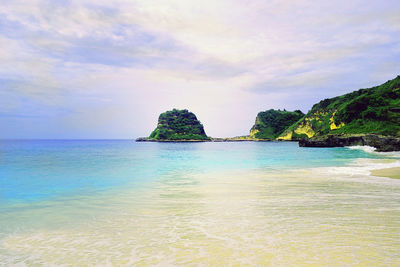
<point>372,150</point>
<point>360,170</point>
<point>368,149</point>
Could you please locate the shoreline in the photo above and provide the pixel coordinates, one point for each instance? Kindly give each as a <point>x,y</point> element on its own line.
<point>380,142</point>
<point>393,172</point>
<point>205,209</point>
<point>217,139</point>
<point>143,139</point>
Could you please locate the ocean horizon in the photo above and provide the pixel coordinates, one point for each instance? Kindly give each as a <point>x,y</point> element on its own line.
<point>119,202</point>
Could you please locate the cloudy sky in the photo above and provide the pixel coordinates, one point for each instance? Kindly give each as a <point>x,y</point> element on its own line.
<point>107,69</point>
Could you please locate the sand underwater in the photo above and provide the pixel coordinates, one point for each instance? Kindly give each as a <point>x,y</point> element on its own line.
<point>120,203</point>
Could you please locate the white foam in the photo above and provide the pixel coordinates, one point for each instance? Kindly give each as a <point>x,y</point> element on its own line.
<point>360,171</point>
<point>368,149</point>
<point>372,150</point>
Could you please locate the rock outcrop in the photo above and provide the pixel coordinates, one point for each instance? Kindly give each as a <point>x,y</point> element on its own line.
<point>177,125</point>
<point>271,123</point>
<point>380,142</point>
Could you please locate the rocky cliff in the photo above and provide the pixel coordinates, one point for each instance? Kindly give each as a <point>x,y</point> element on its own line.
<point>271,123</point>
<point>178,125</point>
<point>366,111</point>
<point>381,143</point>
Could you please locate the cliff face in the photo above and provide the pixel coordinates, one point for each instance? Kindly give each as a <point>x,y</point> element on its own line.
<point>271,123</point>
<point>366,111</point>
<point>177,125</point>
<point>381,143</point>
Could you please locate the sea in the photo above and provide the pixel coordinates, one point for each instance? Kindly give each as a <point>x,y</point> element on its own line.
<point>126,203</point>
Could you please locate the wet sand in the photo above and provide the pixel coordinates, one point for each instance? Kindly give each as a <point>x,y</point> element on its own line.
<point>393,173</point>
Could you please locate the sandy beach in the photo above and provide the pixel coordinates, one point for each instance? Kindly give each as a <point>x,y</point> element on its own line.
<point>393,173</point>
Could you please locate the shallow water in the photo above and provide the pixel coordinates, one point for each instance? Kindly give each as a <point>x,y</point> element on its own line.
<point>120,202</point>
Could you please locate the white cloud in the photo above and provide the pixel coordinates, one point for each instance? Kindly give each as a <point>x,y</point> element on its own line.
<point>211,56</point>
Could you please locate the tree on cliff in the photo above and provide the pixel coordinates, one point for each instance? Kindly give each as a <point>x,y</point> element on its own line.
<point>178,125</point>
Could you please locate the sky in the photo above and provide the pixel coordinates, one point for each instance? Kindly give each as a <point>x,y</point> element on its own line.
<point>106,69</point>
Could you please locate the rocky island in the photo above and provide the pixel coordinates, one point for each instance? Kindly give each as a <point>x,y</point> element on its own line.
<point>183,126</point>
<point>177,126</point>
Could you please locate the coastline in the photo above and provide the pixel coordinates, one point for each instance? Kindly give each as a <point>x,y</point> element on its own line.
<point>212,139</point>
<point>380,142</point>
<point>374,169</point>
<point>144,139</point>
<point>389,171</point>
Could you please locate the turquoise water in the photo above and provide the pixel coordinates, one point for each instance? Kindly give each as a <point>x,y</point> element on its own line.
<point>39,170</point>
<point>117,202</point>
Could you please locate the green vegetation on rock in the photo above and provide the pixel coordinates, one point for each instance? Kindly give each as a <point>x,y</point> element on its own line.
<point>367,111</point>
<point>178,125</point>
<point>271,123</point>
<point>375,110</point>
